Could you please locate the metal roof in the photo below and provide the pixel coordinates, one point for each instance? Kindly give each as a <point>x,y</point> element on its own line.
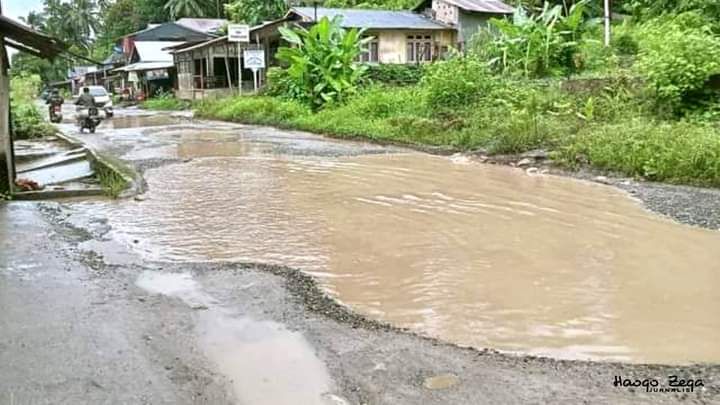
<point>479,6</point>
<point>25,39</point>
<point>371,19</point>
<point>153,51</point>
<point>204,25</point>
<point>143,66</point>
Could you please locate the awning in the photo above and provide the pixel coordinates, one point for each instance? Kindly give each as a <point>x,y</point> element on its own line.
<point>142,66</point>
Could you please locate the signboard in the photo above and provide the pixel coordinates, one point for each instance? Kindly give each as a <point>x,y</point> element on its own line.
<point>238,33</point>
<point>254,59</point>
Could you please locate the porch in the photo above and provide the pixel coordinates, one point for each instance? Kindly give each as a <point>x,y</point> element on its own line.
<point>215,68</point>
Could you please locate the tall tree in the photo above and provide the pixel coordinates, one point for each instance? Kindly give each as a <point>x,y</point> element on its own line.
<point>184,8</point>
<point>255,11</point>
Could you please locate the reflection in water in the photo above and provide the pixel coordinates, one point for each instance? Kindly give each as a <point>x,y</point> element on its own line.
<point>136,121</point>
<point>479,255</point>
<point>267,363</point>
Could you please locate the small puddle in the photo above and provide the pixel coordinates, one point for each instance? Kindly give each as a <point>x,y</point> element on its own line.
<point>137,121</point>
<point>266,363</point>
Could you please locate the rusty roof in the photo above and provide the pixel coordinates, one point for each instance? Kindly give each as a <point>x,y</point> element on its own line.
<point>479,6</point>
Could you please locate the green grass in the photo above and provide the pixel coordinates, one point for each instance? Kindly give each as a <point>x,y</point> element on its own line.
<point>609,130</point>
<point>111,181</point>
<point>165,104</point>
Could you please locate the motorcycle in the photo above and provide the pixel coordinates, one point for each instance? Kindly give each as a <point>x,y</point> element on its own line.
<point>90,118</point>
<point>56,113</point>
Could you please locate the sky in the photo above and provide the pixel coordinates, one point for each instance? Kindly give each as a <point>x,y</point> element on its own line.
<point>20,8</point>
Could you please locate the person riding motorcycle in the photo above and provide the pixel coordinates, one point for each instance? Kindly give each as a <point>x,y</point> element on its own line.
<point>86,99</point>
<point>54,99</point>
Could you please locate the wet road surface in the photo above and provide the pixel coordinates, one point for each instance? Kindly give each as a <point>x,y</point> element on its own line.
<point>475,255</point>
<point>478,255</point>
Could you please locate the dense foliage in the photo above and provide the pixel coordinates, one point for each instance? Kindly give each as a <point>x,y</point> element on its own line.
<point>322,67</point>
<point>678,56</point>
<point>536,44</point>
<point>255,11</point>
<point>26,120</point>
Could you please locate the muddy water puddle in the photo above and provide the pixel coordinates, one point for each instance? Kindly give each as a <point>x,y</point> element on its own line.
<point>266,363</point>
<point>479,255</point>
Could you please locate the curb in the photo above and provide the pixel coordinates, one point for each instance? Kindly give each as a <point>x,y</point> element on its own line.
<point>96,159</point>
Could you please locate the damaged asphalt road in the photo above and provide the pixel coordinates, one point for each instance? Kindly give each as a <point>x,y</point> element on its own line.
<point>79,330</point>
<point>84,319</point>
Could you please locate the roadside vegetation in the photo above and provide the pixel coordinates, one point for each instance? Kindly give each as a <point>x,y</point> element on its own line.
<point>647,106</point>
<point>165,102</point>
<point>25,118</point>
<point>110,180</point>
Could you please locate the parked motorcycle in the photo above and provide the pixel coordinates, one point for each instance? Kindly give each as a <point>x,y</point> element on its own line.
<point>56,113</point>
<point>90,118</point>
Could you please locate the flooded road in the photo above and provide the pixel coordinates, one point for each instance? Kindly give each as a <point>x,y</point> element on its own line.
<point>478,255</point>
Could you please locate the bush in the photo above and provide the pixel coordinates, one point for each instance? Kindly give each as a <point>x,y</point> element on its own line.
<point>679,152</point>
<point>677,58</point>
<point>27,122</point>
<point>280,84</point>
<point>544,43</point>
<point>456,83</point>
<point>165,101</point>
<point>394,74</point>
<point>625,44</point>
<point>252,110</point>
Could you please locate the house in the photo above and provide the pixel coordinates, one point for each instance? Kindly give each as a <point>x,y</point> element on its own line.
<point>397,36</point>
<point>150,67</point>
<point>210,68</point>
<point>467,17</point>
<point>182,30</point>
<point>23,39</point>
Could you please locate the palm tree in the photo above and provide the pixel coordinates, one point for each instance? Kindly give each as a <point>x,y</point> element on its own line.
<point>34,20</point>
<point>184,8</point>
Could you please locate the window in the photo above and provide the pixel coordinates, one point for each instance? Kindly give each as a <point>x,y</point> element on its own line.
<point>419,48</point>
<point>370,52</point>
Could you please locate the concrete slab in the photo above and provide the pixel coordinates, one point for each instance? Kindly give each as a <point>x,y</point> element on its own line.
<point>51,161</point>
<point>60,174</point>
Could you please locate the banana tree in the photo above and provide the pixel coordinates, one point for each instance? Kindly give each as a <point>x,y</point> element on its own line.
<point>322,60</point>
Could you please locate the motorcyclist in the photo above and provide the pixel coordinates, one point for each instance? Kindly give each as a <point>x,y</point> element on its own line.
<point>54,99</point>
<point>85,100</point>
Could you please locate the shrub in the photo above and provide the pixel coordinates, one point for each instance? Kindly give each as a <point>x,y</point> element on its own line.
<point>26,120</point>
<point>28,123</point>
<point>322,61</point>
<point>539,44</point>
<point>457,82</point>
<point>677,58</point>
<point>625,44</point>
<point>395,74</point>
<point>164,101</point>
<point>680,152</point>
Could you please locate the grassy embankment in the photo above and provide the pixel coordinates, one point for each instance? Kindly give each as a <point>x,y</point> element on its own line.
<point>610,129</point>
<point>165,102</point>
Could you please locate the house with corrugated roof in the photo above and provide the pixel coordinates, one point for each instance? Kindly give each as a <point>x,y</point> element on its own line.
<point>146,66</point>
<point>466,17</point>
<point>422,35</point>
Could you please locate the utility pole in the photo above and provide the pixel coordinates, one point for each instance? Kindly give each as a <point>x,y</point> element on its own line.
<point>607,23</point>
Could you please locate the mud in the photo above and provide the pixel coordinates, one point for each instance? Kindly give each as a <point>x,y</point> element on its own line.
<point>181,324</point>
<point>487,256</point>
